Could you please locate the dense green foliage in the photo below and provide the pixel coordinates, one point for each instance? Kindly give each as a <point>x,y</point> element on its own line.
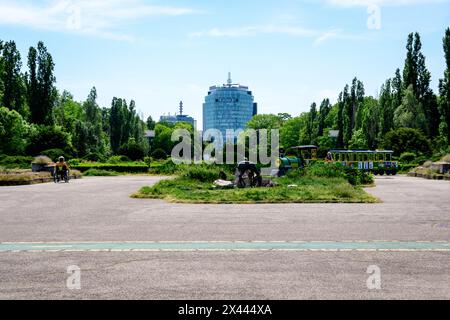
<point>18,162</point>
<point>36,119</point>
<point>13,132</point>
<point>406,116</point>
<point>407,140</point>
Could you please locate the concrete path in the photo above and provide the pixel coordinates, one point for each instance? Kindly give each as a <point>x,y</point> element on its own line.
<point>414,218</point>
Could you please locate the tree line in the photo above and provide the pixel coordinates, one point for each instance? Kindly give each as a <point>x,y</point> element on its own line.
<point>35,118</point>
<point>406,116</point>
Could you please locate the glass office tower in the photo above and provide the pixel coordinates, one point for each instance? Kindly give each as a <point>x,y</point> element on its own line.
<point>229,107</point>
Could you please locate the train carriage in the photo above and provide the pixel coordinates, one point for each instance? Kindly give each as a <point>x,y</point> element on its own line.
<point>378,162</point>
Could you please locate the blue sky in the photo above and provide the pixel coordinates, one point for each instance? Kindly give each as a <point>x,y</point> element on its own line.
<point>289,52</point>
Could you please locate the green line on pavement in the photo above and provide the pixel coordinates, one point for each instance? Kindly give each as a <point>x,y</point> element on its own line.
<point>219,246</point>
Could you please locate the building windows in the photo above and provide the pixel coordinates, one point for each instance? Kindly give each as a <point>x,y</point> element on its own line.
<point>229,107</point>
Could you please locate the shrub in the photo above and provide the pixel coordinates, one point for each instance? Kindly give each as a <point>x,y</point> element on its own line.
<point>327,170</point>
<point>133,150</point>
<point>99,173</point>
<point>335,170</point>
<point>159,154</point>
<point>407,140</point>
<point>47,138</point>
<point>118,159</point>
<point>428,164</point>
<point>421,159</point>
<point>167,168</point>
<point>121,167</point>
<point>408,157</point>
<point>54,154</point>
<point>43,160</point>
<point>94,156</point>
<point>74,162</point>
<point>15,162</point>
<point>148,161</point>
<point>202,173</point>
<point>405,168</point>
<point>357,177</point>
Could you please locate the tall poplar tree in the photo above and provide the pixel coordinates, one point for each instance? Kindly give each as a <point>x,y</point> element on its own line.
<point>416,75</point>
<point>444,92</point>
<point>41,93</point>
<point>11,78</point>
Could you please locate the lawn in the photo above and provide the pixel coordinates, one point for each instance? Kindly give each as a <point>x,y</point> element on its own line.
<point>305,188</point>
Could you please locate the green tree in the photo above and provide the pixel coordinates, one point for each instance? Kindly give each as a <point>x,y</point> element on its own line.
<point>116,122</point>
<point>125,124</point>
<point>410,113</point>
<point>410,70</point>
<point>386,103</point>
<point>1,70</point>
<point>350,102</point>
<point>416,74</point>
<point>133,150</point>
<point>44,138</point>
<point>81,139</point>
<point>12,79</point>
<point>41,93</point>
<point>290,132</point>
<point>93,117</point>
<point>163,138</point>
<point>397,91</point>
<point>340,119</point>
<point>150,123</point>
<point>264,121</point>
<point>370,123</point>
<point>284,117</point>
<point>13,132</point>
<point>444,92</point>
<point>312,125</point>
<point>407,140</point>
<point>325,108</point>
<point>358,141</point>
<point>67,111</point>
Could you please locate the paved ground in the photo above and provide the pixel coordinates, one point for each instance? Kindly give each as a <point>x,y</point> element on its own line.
<point>99,210</point>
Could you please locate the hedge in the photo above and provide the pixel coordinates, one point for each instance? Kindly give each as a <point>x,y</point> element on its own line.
<point>405,168</point>
<point>15,162</point>
<point>122,168</point>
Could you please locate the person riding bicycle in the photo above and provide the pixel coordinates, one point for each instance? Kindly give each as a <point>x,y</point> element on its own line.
<point>61,168</point>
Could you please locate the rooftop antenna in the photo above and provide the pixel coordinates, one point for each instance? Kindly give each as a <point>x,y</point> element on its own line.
<point>230,82</point>
<point>181,108</point>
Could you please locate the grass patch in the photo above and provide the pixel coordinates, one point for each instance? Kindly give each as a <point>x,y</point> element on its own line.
<point>10,176</point>
<point>195,185</point>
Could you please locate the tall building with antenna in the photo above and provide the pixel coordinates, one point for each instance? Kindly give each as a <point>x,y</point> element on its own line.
<point>228,107</point>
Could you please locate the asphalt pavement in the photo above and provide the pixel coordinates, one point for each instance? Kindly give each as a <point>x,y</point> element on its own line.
<point>99,210</point>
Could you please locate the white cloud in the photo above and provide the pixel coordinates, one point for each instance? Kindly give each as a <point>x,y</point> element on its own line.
<point>295,31</point>
<point>255,30</point>
<point>93,17</point>
<point>391,3</point>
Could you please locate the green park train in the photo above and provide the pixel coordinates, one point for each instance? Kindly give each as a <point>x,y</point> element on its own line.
<point>378,162</point>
